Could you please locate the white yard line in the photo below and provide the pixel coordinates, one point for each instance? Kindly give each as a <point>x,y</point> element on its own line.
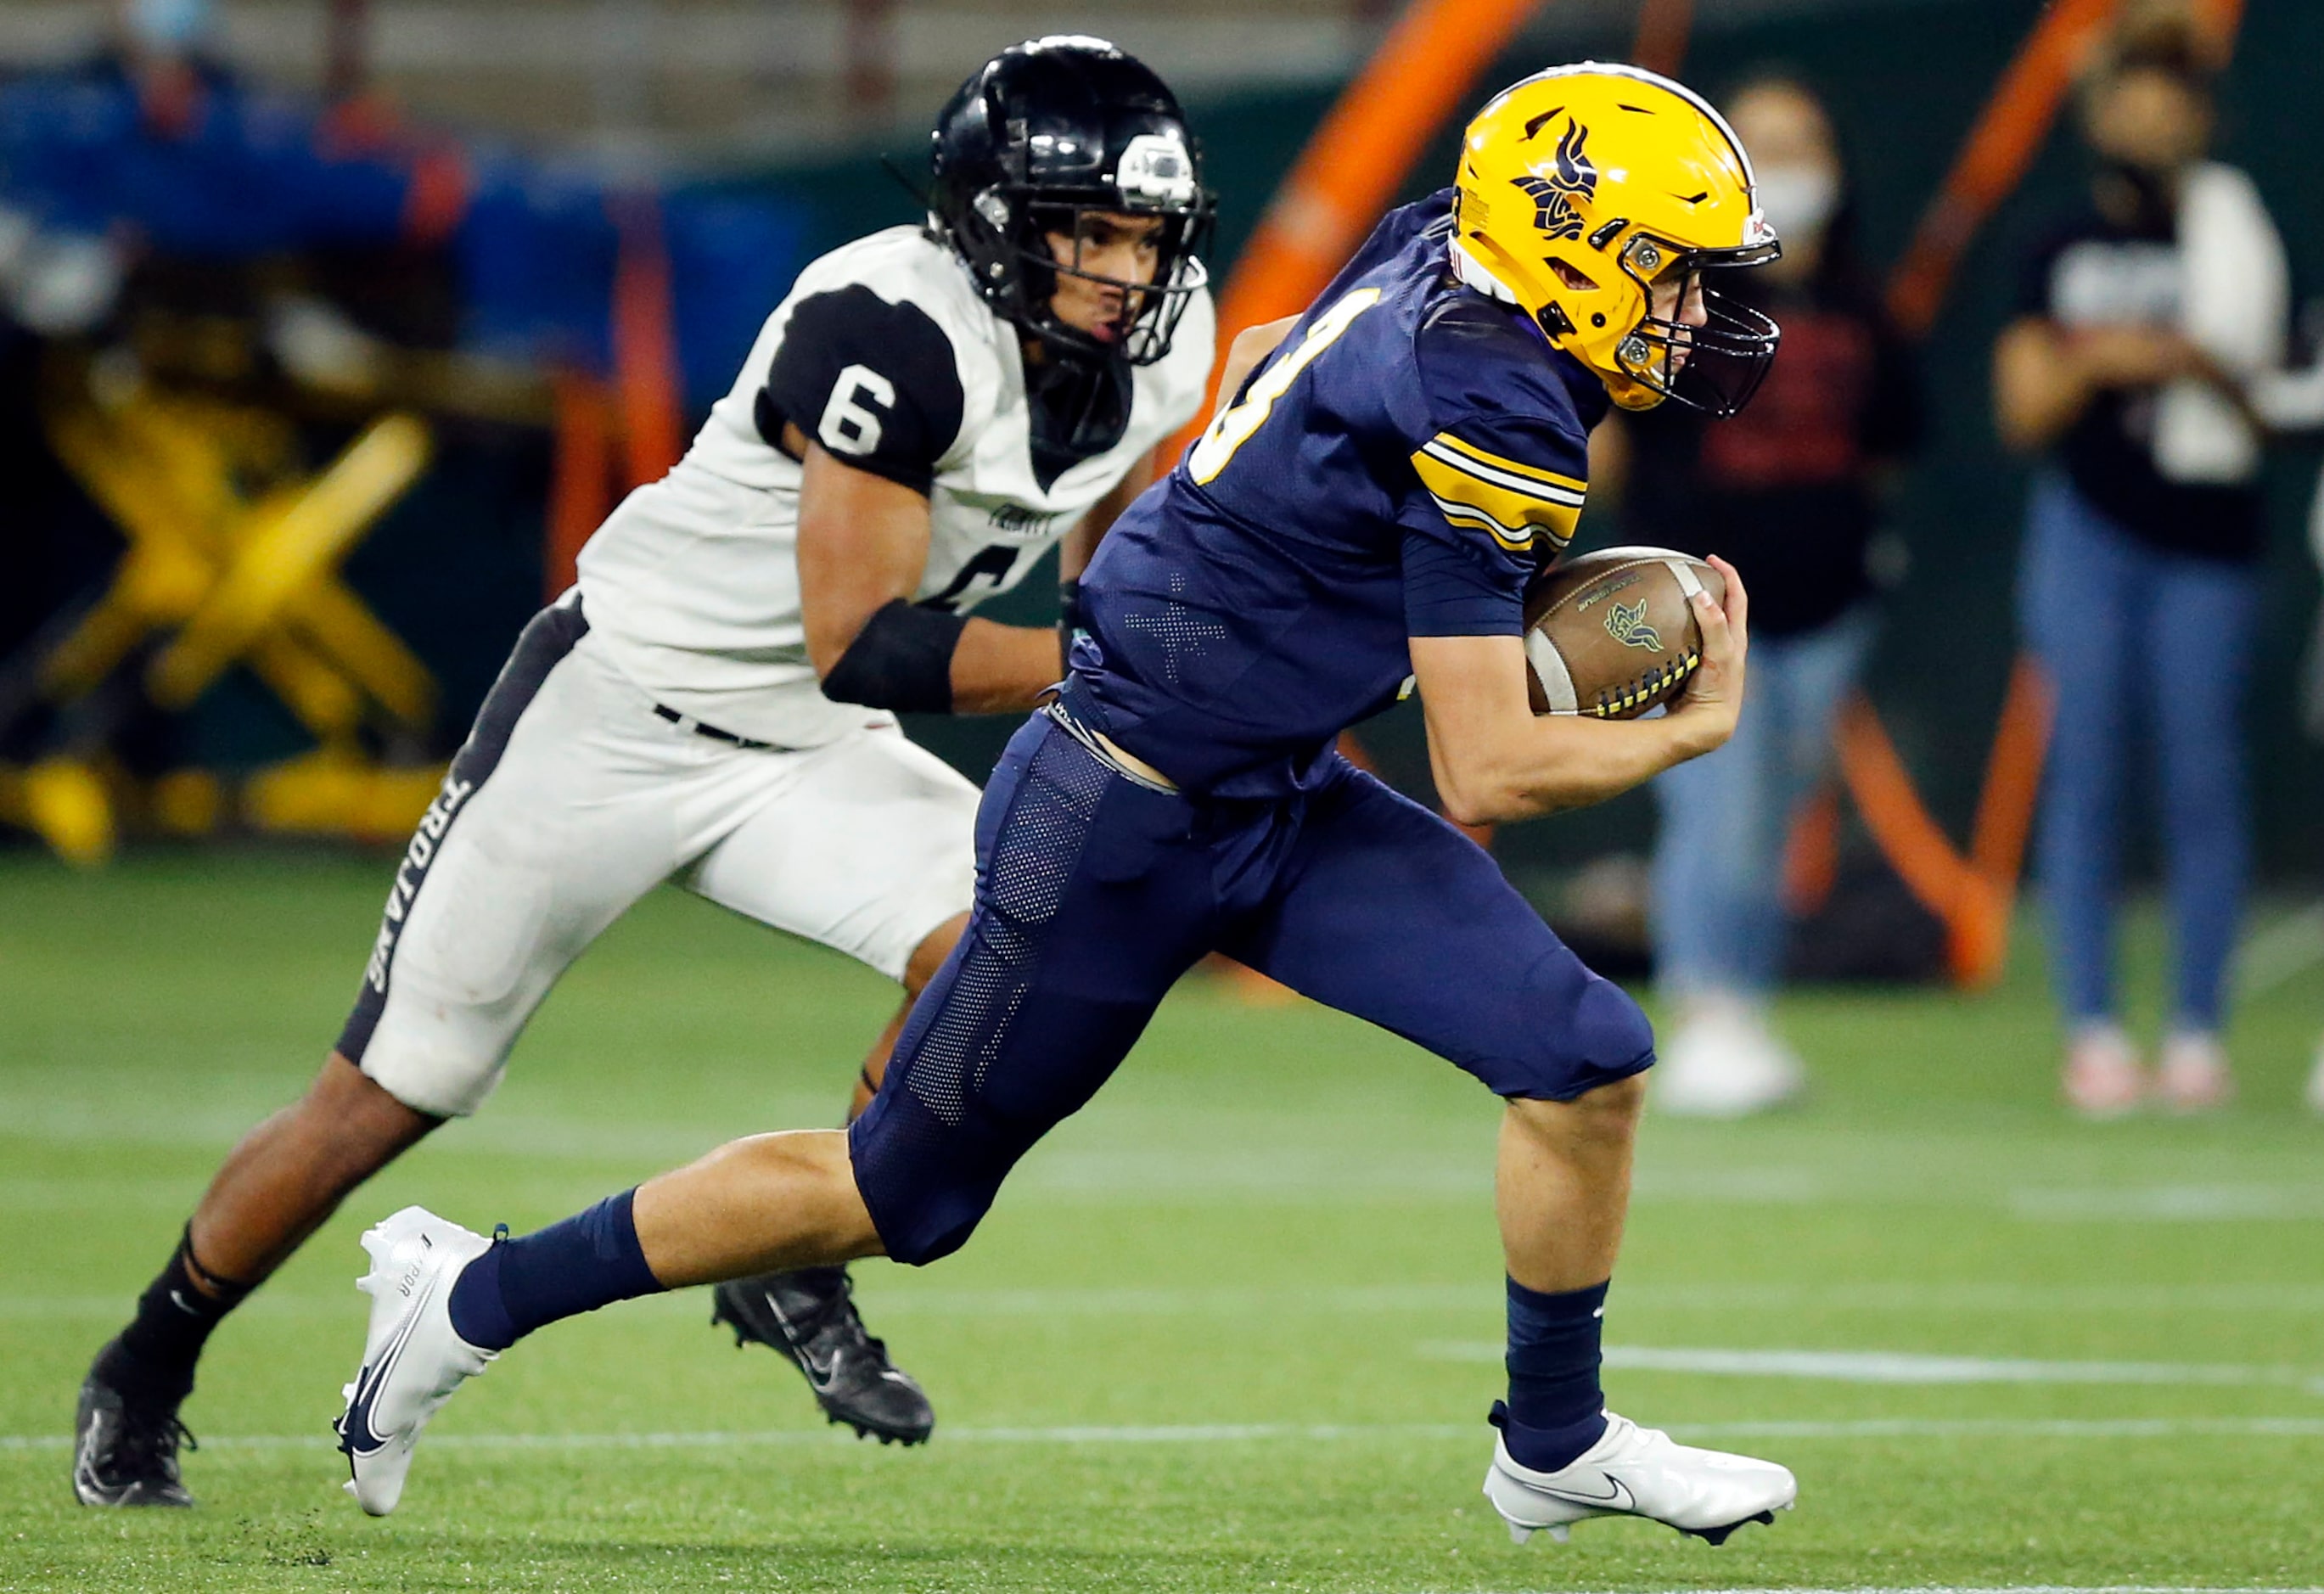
<point>899,1296</point>
<point>1303,1433</point>
<point>2169,1203</point>
<point>1890,1367</point>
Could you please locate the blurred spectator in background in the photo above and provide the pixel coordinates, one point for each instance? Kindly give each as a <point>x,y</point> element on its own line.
<point>2141,319</point>
<point>1790,491</point>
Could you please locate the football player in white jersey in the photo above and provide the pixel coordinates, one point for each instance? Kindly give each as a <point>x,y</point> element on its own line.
<point>714,702</point>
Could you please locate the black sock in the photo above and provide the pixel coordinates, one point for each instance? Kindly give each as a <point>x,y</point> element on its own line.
<point>589,1260</point>
<point>154,1356</point>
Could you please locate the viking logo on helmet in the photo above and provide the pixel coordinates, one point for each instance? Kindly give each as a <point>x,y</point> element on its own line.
<point>1553,196</point>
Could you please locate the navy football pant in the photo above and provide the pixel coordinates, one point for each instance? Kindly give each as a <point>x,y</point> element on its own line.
<point>1095,892</point>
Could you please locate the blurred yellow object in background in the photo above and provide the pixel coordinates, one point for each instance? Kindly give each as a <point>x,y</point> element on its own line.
<point>187,803</point>
<point>284,546</point>
<point>328,793</point>
<point>233,558</point>
<point>65,802</point>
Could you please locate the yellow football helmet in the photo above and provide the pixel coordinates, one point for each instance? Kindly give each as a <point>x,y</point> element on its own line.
<point>1582,188</point>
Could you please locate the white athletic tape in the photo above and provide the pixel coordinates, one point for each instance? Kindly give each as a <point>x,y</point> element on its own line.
<point>1682,572</point>
<point>1549,669</point>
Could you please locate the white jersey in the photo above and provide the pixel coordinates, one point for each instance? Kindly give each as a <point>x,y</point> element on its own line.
<point>885,354</point>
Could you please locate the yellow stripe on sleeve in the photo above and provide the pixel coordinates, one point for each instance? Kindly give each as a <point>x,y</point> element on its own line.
<point>1491,462</point>
<point>1513,516</point>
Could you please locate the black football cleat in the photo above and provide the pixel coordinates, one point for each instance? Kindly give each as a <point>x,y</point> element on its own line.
<point>810,1317</point>
<point>126,1448</point>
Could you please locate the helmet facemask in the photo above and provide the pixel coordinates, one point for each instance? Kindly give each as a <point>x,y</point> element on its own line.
<point>1715,368</point>
<point>1005,236</point>
<point>1024,219</point>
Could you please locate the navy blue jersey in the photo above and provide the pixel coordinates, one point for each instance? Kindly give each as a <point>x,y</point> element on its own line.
<point>1400,466</point>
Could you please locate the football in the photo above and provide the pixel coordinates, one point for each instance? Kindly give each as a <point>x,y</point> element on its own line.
<point>1612,633</point>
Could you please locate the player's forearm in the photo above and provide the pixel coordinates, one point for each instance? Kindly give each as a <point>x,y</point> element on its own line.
<point>1556,761</point>
<point>1003,668</point>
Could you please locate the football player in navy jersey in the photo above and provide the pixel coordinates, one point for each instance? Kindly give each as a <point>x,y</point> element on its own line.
<point>1392,470</point>
<point>928,410</point>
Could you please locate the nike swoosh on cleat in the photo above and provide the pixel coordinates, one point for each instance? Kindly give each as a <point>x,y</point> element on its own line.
<point>1619,1498</point>
<point>820,1376</point>
<point>356,1435</point>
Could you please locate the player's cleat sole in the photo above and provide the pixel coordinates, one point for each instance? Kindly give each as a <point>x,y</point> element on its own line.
<point>413,1359</point>
<point>810,1317</point>
<point>126,1448</point>
<point>1634,1471</point>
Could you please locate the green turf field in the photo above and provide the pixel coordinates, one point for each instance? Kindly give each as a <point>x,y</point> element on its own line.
<point>1235,1327</point>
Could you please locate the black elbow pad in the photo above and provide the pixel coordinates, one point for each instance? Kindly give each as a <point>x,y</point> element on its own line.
<point>902,659</point>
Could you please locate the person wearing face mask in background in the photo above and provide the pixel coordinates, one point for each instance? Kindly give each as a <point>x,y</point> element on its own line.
<point>1791,492</point>
<point>2143,321</point>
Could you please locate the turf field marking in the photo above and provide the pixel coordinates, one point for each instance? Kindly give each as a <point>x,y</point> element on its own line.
<point>1919,1298</point>
<point>907,1299</point>
<point>1891,1366</point>
<point>2169,1203</point>
<point>1303,1433</point>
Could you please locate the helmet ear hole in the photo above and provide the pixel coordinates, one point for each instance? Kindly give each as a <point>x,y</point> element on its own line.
<point>1573,276</point>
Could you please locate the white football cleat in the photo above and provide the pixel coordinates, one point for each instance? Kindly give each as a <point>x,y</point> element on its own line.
<point>413,1359</point>
<point>1634,1471</point>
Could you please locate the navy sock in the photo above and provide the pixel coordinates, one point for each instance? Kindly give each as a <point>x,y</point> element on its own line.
<point>589,1260</point>
<point>1555,1409</point>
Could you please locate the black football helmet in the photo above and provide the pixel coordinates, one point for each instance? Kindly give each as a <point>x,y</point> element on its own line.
<point>1043,133</point>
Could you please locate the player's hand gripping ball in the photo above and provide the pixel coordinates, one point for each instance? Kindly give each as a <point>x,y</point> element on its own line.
<point>1612,634</point>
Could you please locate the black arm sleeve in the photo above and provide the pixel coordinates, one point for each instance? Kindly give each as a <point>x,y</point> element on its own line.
<point>902,659</point>
<point>875,382</point>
